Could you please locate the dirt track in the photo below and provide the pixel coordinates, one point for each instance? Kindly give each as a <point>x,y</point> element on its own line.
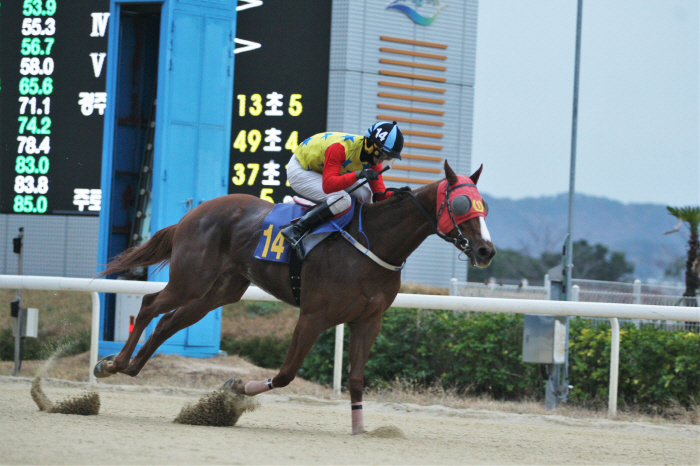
<point>135,427</point>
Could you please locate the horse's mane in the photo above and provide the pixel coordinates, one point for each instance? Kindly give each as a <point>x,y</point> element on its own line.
<point>396,198</point>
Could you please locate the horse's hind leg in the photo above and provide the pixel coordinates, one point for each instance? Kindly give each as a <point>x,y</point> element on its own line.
<point>177,293</point>
<point>152,306</point>
<point>195,264</point>
<point>227,289</point>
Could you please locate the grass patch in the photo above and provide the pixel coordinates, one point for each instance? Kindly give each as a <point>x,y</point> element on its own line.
<point>249,319</point>
<point>415,288</point>
<point>406,391</point>
<point>64,320</point>
<point>267,351</point>
<point>42,347</point>
<point>58,310</point>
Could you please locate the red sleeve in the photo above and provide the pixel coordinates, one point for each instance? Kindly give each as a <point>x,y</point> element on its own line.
<point>333,181</point>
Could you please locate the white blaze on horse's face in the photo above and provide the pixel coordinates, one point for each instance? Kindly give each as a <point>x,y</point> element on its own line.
<point>485,235</point>
<point>481,246</point>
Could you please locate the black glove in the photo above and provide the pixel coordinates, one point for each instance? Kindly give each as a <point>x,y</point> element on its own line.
<point>392,191</point>
<point>367,173</point>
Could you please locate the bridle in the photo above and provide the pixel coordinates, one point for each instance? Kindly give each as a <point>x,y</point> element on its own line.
<point>460,240</point>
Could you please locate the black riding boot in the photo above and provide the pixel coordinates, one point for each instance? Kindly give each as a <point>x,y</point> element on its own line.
<point>296,231</point>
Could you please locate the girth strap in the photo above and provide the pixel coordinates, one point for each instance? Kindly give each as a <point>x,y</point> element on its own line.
<point>295,276</point>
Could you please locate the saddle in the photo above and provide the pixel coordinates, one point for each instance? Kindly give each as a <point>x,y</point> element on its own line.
<point>273,247</point>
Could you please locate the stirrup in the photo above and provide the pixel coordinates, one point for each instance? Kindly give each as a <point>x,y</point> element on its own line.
<point>298,245</point>
<point>301,238</point>
<point>292,243</point>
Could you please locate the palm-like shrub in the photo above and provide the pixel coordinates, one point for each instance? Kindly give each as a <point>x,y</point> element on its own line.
<point>691,217</point>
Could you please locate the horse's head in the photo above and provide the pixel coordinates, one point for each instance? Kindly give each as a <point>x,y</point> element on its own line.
<point>461,213</point>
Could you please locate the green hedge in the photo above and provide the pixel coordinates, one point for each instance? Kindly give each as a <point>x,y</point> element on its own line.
<point>482,353</point>
<point>656,366</point>
<point>268,352</point>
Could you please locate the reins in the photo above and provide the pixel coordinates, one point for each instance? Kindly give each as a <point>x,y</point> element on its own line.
<point>460,241</point>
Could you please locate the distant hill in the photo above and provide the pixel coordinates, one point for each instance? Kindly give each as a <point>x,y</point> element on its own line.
<point>539,224</point>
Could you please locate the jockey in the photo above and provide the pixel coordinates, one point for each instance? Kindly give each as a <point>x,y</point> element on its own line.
<point>325,166</point>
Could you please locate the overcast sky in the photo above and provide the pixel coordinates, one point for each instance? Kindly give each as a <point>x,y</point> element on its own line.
<point>639,123</point>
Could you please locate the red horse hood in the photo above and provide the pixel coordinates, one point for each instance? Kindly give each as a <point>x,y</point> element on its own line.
<point>445,224</point>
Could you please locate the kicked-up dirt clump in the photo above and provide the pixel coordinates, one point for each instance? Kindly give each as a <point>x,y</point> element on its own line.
<point>221,408</point>
<point>41,400</point>
<point>87,404</point>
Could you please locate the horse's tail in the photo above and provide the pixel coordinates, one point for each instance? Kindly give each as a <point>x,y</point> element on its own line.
<point>154,251</point>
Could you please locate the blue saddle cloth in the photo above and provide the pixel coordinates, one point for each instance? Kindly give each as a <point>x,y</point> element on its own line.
<point>273,247</point>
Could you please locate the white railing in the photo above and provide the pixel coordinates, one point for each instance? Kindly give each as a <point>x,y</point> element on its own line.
<point>629,293</point>
<point>494,290</point>
<point>414,301</point>
<point>592,291</point>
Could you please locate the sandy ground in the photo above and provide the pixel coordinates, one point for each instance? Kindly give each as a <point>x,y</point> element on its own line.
<point>135,427</point>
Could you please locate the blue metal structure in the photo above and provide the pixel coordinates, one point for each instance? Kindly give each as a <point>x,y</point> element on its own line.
<point>194,98</point>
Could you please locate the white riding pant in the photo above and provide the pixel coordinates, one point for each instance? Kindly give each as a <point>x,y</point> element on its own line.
<point>309,184</point>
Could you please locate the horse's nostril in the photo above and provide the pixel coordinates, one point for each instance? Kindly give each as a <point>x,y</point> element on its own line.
<point>483,251</point>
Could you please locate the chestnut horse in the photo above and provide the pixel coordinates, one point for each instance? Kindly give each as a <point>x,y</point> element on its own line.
<point>211,264</point>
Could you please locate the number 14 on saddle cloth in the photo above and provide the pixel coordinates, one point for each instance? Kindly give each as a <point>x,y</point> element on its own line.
<point>272,246</point>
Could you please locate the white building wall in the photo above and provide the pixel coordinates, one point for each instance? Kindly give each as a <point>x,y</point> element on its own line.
<point>359,67</point>
<point>67,246</point>
<point>54,245</point>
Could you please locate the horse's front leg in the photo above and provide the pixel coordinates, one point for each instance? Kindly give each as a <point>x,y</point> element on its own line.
<point>306,332</point>
<point>362,337</point>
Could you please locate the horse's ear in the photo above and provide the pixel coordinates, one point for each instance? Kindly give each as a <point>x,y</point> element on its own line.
<point>449,174</point>
<point>477,174</point>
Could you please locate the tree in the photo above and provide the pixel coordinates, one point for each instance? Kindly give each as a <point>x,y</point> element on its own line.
<point>510,264</point>
<point>675,268</point>
<point>690,216</point>
<point>591,262</point>
<point>594,262</point>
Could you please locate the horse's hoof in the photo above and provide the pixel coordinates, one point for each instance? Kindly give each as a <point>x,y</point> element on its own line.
<point>236,385</point>
<point>100,371</point>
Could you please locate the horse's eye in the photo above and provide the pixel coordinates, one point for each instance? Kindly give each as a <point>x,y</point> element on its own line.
<point>486,207</point>
<point>461,205</point>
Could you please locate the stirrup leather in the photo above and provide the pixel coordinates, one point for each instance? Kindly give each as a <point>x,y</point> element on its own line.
<point>290,235</point>
<point>295,233</point>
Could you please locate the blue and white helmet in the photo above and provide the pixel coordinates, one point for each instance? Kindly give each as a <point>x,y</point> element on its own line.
<point>387,137</point>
